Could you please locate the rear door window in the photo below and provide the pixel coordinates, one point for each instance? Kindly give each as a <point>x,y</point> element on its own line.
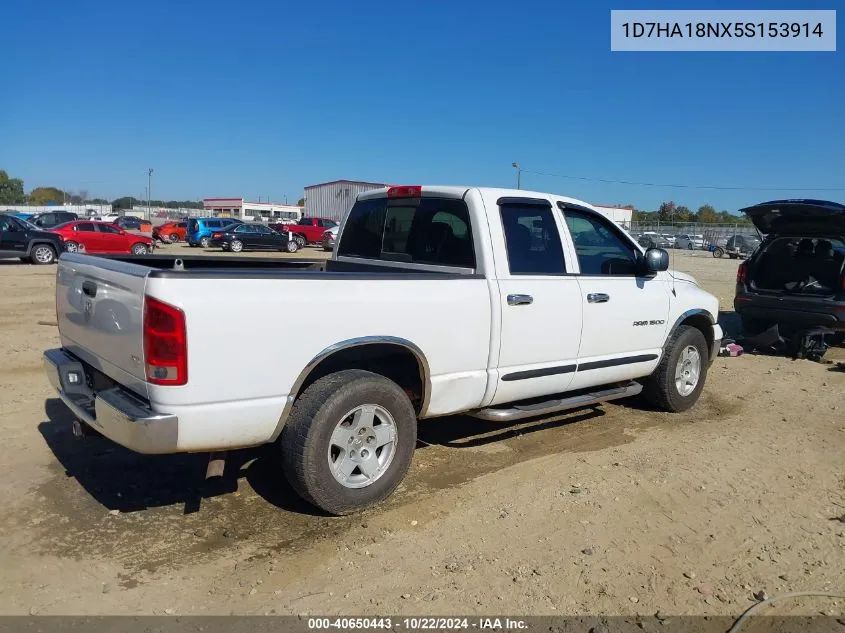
<point>86,227</point>
<point>532,240</point>
<point>433,231</point>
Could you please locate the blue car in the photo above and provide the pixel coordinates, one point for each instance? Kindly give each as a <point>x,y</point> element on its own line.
<point>199,230</point>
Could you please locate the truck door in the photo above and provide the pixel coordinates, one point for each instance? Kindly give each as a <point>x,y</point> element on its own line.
<point>540,303</point>
<point>624,312</point>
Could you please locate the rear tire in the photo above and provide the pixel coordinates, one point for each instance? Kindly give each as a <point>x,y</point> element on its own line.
<point>293,246</point>
<point>237,246</point>
<point>43,254</point>
<point>328,410</point>
<point>718,252</point>
<point>71,247</point>
<point>204,242</point>
<point>301,241</point>
<point>669,388</point>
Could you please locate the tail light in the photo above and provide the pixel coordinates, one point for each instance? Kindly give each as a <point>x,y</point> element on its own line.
<point>741,273</point>
<point>165,343</point>
<point>216,236</point>
<point>406,191</point>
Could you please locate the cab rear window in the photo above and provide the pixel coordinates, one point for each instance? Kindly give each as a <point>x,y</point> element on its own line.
<point>434,231</point>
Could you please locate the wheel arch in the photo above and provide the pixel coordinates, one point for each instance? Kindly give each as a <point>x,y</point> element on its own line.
<point>41,242</point>
<point>699,319</point>
<point>395,358</point>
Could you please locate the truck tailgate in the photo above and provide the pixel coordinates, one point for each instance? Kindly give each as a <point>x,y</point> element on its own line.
<point>99,306</point>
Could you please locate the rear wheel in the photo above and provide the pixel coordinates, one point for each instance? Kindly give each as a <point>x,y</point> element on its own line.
<point>139,249</point>
<point>689,246</point>
<point>301,241</point>
<point>204,242</point>
<point>43,254</point>
<point>71,247</point>
<point>237,246</point>
<point>349,441</point>
<point>718,251</point>
<point>292,246</point>
<point>678,380</point>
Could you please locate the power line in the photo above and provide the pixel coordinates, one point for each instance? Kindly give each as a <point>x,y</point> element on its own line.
<point>677,186</point>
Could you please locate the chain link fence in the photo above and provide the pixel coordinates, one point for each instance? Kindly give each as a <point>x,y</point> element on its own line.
<point>693,235</point>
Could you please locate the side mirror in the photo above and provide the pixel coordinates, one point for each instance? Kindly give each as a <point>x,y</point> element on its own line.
<point>656,260</point>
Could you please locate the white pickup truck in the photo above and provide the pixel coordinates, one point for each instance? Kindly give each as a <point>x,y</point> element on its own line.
<point>499,304</point>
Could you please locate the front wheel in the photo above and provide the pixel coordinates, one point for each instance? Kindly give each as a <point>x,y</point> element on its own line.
<point>718,251</point>
<point>349,441</point>
<point>173,238</point>
<point>204,242</point>
<point>43,254</point>
<point>139,249</point>
<point>678,380</point>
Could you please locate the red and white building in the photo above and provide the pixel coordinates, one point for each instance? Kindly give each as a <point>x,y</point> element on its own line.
<point>245,210</point>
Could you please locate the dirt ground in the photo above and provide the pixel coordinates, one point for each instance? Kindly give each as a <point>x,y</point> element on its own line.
<point>614,510</point>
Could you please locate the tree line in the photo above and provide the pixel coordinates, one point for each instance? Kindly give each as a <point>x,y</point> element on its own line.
<point>12,193</point>
<point>671,212</point>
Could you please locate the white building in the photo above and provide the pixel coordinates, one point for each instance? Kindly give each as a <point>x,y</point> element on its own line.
<point>621,216</point>
<point>333,199</point>
<point>82,210</point>
<point>245,210</point>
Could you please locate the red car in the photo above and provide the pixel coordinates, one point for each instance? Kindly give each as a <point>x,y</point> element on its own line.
<point>102,237</point>
<point>171,232</point>
<point>310,230</point>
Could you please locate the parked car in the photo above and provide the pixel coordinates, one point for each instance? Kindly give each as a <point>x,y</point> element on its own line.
<point>102,237</point>
<point>49,219</point>
<point>653,240</point>
<point>253,237</point>
<point>131,223</point>
<point>689,242</point>
<point>796,278</point>
<point>199,230</point>
<point>737,246</point>
<point>215,241</point>
<point>496,266</point>
<point>170,232</point>
<point>310,230</point>
<point>330,237</point>
<point>27,242</point>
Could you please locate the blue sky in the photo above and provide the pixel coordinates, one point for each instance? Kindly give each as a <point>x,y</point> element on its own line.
<point>263,98</point>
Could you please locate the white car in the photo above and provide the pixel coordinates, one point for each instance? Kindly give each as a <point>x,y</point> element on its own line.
<point>330,238</point>
<point>689,242</point>
<point>495,303</point>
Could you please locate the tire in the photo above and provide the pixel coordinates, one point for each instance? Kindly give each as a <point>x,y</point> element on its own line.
<point>662,389</point>
<point>718,251</point>
<point>42,254</point>
<point>689,246</point>
<point>237,246</point>
<point>139,249</point>
<point>293,246</point>
<point>71,247</point>
<point>173,238</point>
<point>204,242</point>
<point>301,241</point>
<point>318,415</point>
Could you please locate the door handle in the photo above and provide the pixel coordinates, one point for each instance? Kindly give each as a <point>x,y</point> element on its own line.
<point>520,300</point>
<point>89,288</point>
<point>597,297</point>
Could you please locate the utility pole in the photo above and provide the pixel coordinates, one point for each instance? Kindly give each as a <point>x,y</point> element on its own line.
<point>518,174</point>
<point>149,192</point>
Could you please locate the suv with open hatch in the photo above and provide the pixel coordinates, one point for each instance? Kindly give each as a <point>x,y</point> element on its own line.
<point>796,277</point>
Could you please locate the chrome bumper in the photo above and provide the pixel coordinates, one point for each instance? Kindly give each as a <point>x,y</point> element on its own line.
<point>114,412</point>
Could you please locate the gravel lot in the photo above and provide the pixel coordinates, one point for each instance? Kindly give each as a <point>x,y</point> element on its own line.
<point>616,510</point>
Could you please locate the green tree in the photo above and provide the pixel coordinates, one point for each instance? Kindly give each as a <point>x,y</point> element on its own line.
<point>706,214</point>
<point>11,189</point>
<point>46,195</point>
<point>683,214</point>
<point>126,202</point>
<point>667,211</point>
<point>300,202</point>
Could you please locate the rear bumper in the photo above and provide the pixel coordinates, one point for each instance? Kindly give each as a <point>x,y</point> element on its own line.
<point>115,412</point>
<point>794,311</point>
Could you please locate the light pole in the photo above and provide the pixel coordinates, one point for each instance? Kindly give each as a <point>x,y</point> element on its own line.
<point>518,168</point>
<point>149,192</point>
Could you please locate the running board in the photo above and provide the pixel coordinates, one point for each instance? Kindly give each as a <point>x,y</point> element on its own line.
<point>519,411</point>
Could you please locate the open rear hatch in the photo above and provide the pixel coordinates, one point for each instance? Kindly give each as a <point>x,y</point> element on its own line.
<point>805,249</point>
<point>810,217</point>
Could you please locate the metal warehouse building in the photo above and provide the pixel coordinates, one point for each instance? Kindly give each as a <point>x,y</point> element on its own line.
<point>333,199</point>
